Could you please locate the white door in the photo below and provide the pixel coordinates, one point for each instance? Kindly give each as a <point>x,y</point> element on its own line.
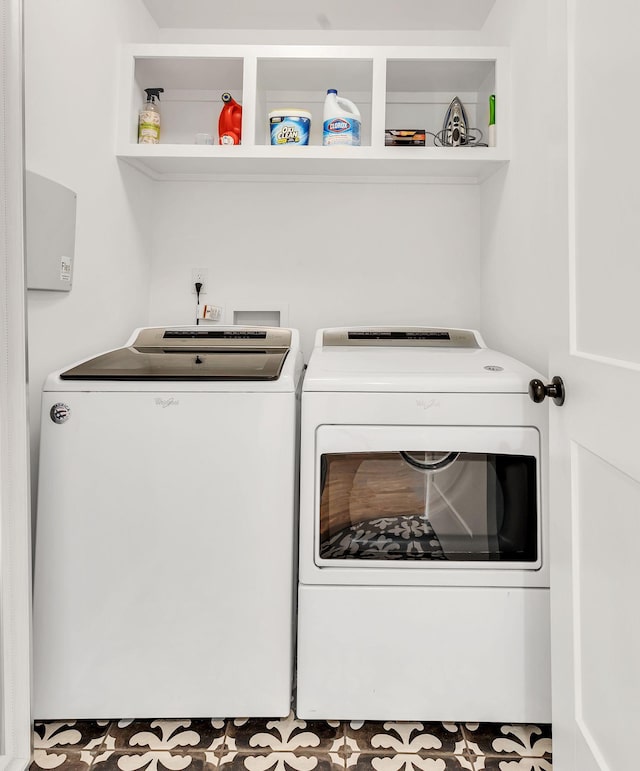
<point>595,444</point>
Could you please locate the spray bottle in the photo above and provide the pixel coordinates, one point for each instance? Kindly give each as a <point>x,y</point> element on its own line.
<point>341,120</point>
<point>492,121</point>
<point>149,118</point>
<point>230,121</point>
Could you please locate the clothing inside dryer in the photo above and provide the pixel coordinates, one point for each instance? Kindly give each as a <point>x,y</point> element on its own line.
<point>424,505</point>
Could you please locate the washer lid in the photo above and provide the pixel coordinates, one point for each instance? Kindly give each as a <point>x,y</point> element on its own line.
<point>389,367</point>
<point>158,353</point>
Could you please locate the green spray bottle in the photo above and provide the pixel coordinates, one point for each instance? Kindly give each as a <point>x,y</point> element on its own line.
<point>492,121</point>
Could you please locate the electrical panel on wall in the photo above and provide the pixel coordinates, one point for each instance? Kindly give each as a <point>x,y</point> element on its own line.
<point>50,217</point>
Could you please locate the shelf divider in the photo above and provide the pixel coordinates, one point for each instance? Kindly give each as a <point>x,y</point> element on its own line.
<point>378,102</point>
<point>249,100</point>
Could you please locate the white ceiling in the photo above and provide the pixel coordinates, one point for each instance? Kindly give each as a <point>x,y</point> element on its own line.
<point>321,14</point>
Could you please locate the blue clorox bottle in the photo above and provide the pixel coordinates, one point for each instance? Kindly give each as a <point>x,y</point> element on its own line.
<point>341,121</point>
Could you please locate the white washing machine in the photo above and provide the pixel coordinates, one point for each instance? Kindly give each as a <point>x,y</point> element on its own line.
<point>423,574</point>
<point>165,537</point>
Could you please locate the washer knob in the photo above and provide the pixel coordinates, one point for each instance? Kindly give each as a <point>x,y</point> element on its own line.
<point>555,390</point>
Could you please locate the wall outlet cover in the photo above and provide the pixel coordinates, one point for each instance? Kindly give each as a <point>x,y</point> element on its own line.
<point>199,275</point>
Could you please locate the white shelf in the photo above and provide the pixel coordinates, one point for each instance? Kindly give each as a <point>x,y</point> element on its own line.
<point>394,87</point>
<point>429,163</point>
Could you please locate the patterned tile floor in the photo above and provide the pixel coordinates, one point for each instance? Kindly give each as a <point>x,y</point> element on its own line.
<point>288,744</point>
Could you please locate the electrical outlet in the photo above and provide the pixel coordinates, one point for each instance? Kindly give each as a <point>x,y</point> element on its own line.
<point>199,275</point>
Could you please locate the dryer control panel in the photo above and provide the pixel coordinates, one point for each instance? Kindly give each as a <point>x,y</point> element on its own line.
<point>431,337</point>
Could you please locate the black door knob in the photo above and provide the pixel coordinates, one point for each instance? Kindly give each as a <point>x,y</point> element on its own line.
<point>555,390</point>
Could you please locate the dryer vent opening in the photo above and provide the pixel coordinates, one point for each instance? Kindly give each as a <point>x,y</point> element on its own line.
<point>257,318</point>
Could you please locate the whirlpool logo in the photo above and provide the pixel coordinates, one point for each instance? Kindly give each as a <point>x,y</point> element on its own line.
<point>170,401</point>
<point>425,404</point>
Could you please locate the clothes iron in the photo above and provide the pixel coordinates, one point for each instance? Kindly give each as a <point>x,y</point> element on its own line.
<point>455,130</point>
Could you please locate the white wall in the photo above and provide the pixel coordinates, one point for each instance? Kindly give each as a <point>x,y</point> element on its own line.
<point>321,36</point>
<point>507,253</point>
<point>334,254</point>
<point>71,51</point>
<point>517,274</point>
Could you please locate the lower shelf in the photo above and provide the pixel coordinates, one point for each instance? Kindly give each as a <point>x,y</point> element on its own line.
<point>461,164</point>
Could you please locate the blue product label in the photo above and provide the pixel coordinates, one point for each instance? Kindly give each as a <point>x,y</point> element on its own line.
<point>292,130</point>
<point>341,131</point>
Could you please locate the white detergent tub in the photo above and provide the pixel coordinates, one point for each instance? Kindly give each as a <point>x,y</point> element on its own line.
<point>289,126</point>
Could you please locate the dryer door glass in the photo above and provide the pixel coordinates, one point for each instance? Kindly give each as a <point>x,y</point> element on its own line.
<point>421,505</point>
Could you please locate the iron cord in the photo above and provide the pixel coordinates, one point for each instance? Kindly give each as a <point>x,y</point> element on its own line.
<point>439,138</point>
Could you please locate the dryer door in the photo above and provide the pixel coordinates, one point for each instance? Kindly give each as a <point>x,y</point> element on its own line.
<point>428,496</point>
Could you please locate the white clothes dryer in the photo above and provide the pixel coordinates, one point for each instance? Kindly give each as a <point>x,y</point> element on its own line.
<point>423,574</point>
<point>165,537</point>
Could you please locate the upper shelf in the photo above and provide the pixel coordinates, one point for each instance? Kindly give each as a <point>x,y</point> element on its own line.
<point>395,87</point>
